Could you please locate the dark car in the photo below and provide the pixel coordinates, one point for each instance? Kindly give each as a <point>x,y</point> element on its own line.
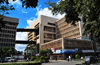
<point>2,61</point>
<point>90,59</point>
<point>93,59</point>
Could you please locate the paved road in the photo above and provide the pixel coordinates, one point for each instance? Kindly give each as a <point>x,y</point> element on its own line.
<point>62,63</point>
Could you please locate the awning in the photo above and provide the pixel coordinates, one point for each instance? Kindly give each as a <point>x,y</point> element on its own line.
<point>65,51</point>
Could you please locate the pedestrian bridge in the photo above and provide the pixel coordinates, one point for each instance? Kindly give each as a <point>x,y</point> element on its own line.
<point>26,30</point>
<point>25,42</point>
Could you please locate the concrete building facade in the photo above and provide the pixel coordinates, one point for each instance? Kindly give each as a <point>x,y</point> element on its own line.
<point>8,32</point>
<point>65,43</point>
<point>46,27</point>
<point>58,34</point>
<point>64,29</point>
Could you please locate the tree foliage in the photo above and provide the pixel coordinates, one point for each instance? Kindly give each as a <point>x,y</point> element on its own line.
<point>87,11</point>
<point>46,52</point>
<point>6,51</point>
<point>32,48</point>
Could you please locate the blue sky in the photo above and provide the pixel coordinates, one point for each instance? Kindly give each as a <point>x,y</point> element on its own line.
<point>28,16</point>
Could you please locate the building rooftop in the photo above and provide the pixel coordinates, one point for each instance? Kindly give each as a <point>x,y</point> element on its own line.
<point>10,19</point>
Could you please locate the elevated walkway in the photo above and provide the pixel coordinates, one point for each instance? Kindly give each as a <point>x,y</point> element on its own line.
<point>26,30</point>
<point>25,42</point>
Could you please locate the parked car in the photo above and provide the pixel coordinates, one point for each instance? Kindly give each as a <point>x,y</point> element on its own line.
<point>90,59</point>
<point>10,59</point>
<point>2,60</point>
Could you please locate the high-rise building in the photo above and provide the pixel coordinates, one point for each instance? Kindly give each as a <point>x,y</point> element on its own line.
<point>8,32</point>
<point>47,30</point>
<point>58,34</point>
<point>51,29</point>
<point>64,29</point>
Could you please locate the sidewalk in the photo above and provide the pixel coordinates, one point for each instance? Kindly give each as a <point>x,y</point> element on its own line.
<point>57,60</point>
<point>73,61</point>
<point>62,62</point>
<point>96,64</point>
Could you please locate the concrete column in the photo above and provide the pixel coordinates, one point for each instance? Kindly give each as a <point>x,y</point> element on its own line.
<point>62,43</point>
<point>80,28</point>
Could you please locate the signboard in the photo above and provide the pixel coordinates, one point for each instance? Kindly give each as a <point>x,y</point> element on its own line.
<point>87,51</point>
<point>37,54</point>
<point>65,51</point>
<point>53,50</point>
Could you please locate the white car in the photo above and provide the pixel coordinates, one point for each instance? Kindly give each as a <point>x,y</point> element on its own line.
<point>9,59</point>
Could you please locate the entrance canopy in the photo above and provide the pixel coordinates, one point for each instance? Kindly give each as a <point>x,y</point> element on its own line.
<point>65,51</point>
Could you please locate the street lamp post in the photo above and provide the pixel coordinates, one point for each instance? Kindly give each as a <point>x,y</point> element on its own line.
<point>94,46</point>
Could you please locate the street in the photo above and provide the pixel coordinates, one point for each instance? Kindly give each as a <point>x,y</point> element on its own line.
<point>62,62</point>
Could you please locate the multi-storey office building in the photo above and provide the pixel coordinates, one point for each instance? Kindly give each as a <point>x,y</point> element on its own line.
<point>47,30</point>
<point>59,34</point>
<point>8,32</point>
<point>73,32</point>
<point>69,31</point>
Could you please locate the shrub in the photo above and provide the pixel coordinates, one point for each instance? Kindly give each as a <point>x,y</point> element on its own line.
<point>32,58</point>
<point>46,59</point>
<point>42,57</point>
<point>42,60</point>
<point>43,52</point>
<point>37,57</point>
<point>77,56</point>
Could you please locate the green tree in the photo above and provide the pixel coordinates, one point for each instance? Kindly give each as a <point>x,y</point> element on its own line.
<point>6,51</point>
<point>87,11</point>
<point>32,48</point>
<point>19,52</point>
<point>46,52</point>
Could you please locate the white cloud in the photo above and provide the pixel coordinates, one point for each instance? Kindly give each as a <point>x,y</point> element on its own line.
<point>45,12</point>
<point>29,22</point>
<point>48,12</point>
<point>15,2</point>
<point>24,12</point>
<point>59,1</point>
<point>21,36</point>
<point>20,47</point>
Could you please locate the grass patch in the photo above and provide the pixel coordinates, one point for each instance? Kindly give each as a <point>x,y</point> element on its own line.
<point>23,63</point>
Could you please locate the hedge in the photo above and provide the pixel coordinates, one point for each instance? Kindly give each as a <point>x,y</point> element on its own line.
<point>21,63</point>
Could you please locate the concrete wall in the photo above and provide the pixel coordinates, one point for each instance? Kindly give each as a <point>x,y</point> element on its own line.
<point>77,43</point>
<point>57,44</point>
<point>65,29</point>
<point>44,22</point>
